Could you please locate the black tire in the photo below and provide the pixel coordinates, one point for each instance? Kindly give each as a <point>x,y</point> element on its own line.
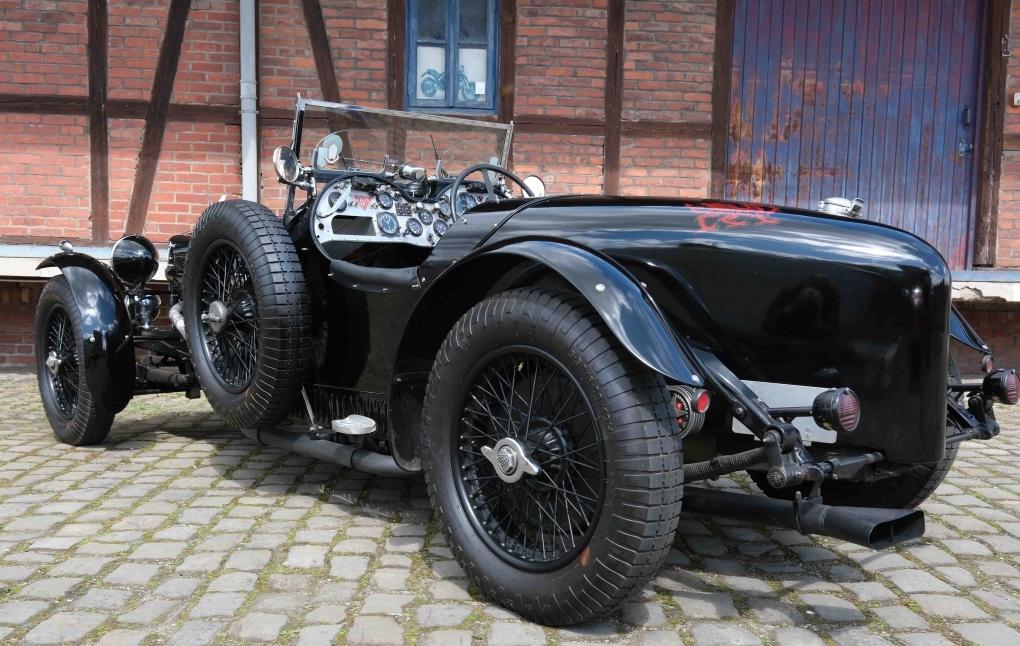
<point>76,415</point>
<point>629,511</point>
<point>906,490</point>
<point>252,363</point>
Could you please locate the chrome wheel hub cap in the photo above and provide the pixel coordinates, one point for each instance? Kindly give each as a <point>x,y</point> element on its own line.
<point>510,460</point>
<point>53,363</point>
<point>216,317</point>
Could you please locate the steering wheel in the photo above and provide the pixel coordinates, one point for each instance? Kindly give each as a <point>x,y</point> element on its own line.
<point>484,169</point>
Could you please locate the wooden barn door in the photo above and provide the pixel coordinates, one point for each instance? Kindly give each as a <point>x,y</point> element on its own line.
<point>860,98</point>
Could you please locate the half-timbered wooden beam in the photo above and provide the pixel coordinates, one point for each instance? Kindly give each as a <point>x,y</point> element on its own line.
<point>156,115</point>
<point>321,51</point>
<point>722,63</point>
<point>615,22</point>
<point>990,139</point>
<point>323,56</point>
<point>396,14</point>
<point>99,135</point>
<point>507,59</point>
<point>228,114</point>
<point>396,60</point>
<point>507,64</point>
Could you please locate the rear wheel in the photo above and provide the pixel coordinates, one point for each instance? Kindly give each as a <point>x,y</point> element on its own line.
<point>246,313</point>
<point>76,416</point>
<point>550,456</point>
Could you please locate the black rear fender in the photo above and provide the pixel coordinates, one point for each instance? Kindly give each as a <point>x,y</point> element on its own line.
<point>617,297</point>
<point>109,361</point>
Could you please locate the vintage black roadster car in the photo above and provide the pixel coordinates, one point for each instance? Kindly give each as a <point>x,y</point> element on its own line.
<point>546,361</point>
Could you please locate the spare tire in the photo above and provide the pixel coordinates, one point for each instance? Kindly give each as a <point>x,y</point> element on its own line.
<point>246,313</point>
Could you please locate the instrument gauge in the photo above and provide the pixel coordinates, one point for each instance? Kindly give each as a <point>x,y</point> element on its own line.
<point>464,202</point>
<point>444,208</point>
<point>335,200</point>
<point>440,227</point>
<point>414,227</point>
<point>334,197</point>
<point>385,201</point>
<point>388,224</point>
<point>424,216</point>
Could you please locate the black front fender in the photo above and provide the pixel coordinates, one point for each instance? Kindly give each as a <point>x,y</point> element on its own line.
<point>620,301</point>
<point>109,361</point>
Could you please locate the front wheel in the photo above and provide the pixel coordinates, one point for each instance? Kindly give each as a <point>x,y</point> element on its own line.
<point>551,457</point>
<point>74,412</point>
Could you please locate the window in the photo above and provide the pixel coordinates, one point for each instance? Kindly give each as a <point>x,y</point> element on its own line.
<point>448,35</point>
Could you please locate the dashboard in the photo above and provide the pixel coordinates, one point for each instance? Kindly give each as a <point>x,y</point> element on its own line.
<point>349,212</point>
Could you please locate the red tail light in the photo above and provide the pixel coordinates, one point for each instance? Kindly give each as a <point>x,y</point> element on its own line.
<point>1002,386</point>
<point>702,400</point>
<point>838,410</point>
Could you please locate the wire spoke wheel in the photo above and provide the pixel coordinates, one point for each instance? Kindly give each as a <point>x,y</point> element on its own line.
<point>230,323</point>
<point>62,362</point>
<point>530,459</point>
<point>551,457</point>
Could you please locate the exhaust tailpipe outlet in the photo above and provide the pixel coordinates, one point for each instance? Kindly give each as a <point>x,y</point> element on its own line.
<point>870,527</point>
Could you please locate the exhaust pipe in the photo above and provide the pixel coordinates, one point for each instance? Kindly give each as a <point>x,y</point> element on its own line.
<point>874,528</point>
<point>343,454</point>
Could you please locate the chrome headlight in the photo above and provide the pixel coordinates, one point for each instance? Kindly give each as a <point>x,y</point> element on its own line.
<point>286,164</point>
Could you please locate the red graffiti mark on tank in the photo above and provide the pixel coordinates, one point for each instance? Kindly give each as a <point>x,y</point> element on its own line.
<point>713,216</point>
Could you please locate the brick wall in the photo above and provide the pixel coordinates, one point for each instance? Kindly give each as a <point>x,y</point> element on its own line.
<point>561,58</point>
<point>667,66</point>
<point>997,324</point>
<point>560,63</point>
<point>42,47</point>
<point>17,309</point>
<point>664,165</point>
<point>44,173</point>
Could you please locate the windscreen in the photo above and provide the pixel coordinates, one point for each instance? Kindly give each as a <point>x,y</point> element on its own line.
<point>353,138</point>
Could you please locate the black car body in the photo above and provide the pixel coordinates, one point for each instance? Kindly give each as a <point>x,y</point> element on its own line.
<point>713,300</point>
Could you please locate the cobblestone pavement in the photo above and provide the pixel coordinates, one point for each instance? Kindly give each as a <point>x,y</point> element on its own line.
<point>178,530</point>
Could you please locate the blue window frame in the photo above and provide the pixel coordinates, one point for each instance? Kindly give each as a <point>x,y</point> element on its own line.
<point>448,35</point>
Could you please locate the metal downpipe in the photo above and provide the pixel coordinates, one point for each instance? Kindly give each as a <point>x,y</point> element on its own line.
<point>249,104</point>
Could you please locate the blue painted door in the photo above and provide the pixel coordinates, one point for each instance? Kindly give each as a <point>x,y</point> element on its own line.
<point>860,98</point>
